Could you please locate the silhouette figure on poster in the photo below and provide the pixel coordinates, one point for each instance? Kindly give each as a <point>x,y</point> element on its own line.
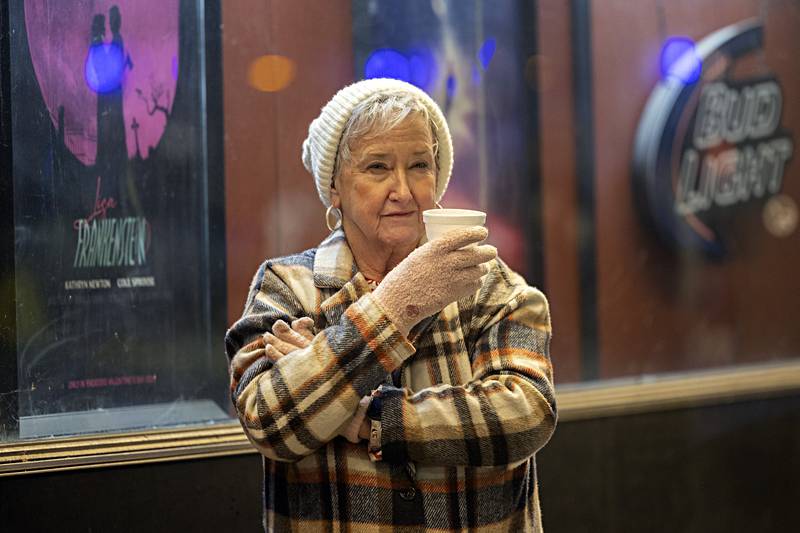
<point>105,72</point>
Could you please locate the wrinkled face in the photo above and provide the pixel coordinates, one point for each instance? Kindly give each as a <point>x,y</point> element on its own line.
<point>388,183</point>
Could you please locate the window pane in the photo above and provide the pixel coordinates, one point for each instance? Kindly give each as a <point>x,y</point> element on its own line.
<point>546,100</point>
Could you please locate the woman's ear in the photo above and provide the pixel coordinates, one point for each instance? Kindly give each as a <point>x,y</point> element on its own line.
<point>336,200</point>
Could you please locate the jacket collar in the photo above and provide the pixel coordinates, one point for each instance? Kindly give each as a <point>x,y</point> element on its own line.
<point>335,268</point>
<point>334,264</point>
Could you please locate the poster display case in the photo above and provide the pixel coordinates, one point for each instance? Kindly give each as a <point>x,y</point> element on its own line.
<point>113,264</point>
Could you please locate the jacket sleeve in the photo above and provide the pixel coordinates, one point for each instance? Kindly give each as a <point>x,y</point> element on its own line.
<point>507,412</point>
<point>292,407</point>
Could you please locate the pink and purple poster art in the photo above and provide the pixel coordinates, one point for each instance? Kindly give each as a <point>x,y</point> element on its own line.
<point>110,166</point>
<point>112,65</point>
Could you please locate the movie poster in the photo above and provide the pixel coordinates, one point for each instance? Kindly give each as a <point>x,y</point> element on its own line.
<point>110,206</point>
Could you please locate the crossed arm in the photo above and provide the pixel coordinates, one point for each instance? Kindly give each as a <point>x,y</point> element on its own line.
<point>295,392</point>
<point>284,340</point>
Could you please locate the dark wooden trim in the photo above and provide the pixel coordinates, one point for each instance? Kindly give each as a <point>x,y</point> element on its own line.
<point>8,325</point>
<point>585,167</point>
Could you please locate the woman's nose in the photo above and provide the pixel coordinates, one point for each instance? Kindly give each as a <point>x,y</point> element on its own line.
<point>400,189</point>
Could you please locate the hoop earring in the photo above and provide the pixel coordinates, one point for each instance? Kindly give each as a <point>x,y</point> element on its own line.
<point>338,215</point>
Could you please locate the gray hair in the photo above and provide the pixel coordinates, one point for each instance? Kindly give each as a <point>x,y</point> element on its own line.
<point>382,112</point>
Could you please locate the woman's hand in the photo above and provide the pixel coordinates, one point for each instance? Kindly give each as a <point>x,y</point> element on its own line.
<point>435,274</point>
<point>358,427</point>
<point>282,341</point>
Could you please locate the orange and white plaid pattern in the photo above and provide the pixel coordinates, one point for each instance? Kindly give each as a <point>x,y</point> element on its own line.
<point>468,400</point>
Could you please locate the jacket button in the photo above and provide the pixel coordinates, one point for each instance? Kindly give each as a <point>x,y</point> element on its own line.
<point>408,494</point>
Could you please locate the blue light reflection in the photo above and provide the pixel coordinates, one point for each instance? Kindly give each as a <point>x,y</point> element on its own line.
<point>423,68</point>
<point>679,60</point>
<point>417,67</point>
<point>387,63</point>
<point>105,67</point>
<point>452,83</point>
<point>486,52</point>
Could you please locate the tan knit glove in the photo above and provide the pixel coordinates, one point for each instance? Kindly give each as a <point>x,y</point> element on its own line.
<point>435,274</point>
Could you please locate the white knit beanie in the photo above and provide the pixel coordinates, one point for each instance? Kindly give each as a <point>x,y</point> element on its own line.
<point>325,132</point>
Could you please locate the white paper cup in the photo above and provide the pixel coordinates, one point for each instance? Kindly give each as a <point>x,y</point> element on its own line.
<point>440,221</point>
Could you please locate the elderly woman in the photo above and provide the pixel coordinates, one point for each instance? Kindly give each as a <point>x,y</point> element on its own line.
<point>388,381</point>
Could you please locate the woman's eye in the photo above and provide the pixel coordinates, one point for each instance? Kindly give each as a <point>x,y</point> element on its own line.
<point>421,164</point>
<point>377,166</point>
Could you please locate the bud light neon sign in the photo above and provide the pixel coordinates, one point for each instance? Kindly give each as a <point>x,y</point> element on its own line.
<point>705,146</point>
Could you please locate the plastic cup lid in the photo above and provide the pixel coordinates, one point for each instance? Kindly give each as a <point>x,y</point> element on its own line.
<point>454,217</point>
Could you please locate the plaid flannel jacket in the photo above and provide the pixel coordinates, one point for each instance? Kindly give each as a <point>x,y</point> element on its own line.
<point>468,399</point>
